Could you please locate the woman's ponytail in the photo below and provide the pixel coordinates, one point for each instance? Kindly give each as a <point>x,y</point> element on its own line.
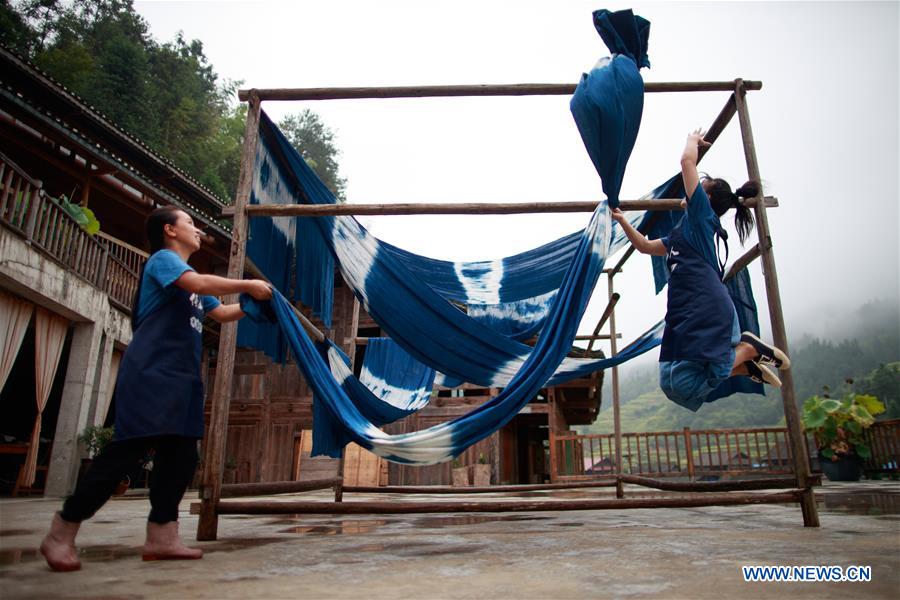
<point>743,218</point>
<point>722,199</point>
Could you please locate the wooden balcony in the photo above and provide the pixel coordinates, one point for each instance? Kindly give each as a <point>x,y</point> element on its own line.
<point>104,262</point>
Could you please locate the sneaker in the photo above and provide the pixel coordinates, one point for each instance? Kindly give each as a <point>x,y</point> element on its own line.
<point>768,355</point>
<point>762,374</point>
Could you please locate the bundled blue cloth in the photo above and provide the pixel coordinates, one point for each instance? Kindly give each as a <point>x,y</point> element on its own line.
<point>609,101</point>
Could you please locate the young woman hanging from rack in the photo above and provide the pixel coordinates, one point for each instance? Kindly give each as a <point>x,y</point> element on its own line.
<point>702,345</point>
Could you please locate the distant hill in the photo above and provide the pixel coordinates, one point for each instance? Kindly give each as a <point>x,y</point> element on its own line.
<point>870,356</point>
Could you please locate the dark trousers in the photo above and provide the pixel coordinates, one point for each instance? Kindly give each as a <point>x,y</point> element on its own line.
<point>174,463</point>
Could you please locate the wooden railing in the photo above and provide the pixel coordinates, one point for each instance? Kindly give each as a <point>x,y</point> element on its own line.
<point>705,453</point>
<point>122,271</point>
<point>101,260</point>
<point>687,453</point>
<point>884,442</point>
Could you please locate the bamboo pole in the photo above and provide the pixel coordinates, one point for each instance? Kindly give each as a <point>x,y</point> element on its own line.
<point>236,490</point>
<point>747,258</point>
<point>443,91</point>
<point>275,507</point>
<point>490,489</point>
<point>214,451</point>
<point>613,300</point>
<point>762,483</point>
<point>617,423</point>
<point>773,295</point>
<point>455,208</point>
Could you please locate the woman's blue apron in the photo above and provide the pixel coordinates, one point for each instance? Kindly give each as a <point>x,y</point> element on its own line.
<point>700,313</point>
<point>159,390</point>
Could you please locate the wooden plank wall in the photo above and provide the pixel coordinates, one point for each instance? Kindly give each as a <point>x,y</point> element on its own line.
<point>441,410</point>
<point>271,404</point>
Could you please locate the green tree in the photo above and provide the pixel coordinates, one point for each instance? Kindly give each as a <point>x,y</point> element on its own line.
<point>167,95</point>
<point>14,30</point>
<point>883,383</point>
<point>315,142</point>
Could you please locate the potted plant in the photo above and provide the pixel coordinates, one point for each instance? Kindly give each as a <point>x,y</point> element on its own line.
<point>481,472</point>
<point>460,474</point>
<point>838,427</point>
<point>95,439</point>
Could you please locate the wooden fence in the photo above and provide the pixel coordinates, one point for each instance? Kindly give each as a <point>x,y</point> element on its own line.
<point>704,453</point>
<point>884,442</point>
<point>101,260</point>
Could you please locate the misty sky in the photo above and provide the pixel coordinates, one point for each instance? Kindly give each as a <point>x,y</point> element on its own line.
<point>825,123</point>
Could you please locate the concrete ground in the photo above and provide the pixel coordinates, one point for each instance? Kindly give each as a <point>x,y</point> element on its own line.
<point>659,553</point>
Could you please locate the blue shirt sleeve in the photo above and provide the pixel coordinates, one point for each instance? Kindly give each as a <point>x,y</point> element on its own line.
<point>165,267</point>
<point>209,303</point>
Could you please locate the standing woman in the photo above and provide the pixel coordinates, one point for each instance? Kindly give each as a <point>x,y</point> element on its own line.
<point>159,392</point>
<point>702,345</point>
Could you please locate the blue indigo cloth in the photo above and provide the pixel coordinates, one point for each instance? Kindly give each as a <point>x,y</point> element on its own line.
<point>609,101</point>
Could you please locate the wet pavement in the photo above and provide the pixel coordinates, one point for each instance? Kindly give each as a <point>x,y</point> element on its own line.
<point>658,553</point>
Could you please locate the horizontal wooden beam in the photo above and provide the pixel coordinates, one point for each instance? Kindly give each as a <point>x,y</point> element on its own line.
<point>443,91</point>
<point>276,507</point>
<point>488,489</point>
<point>456,208</point>
<point>762,483</point>
<point>604,336</point>
<point>235,490</point>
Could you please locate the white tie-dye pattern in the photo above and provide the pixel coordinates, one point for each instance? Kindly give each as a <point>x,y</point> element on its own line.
<point>402,398</point>
<point>273,194</point>
<point>480,280</point>
<point>535,309</point>
<point>339,369</point>
<point>355,258</point>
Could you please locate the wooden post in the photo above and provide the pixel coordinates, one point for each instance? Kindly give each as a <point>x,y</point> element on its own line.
<point>773,296</point>
<point>617,423</point>
<point>350,348</point>
<point>551,422</point>
<point>214,451</point>
<point>34,204</point>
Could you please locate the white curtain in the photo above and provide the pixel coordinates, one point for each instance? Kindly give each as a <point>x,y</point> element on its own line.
<point>49,337</point>
<point>15,314</point>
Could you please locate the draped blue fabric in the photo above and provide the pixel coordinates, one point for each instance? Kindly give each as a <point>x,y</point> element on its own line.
<point>426,325</point>
<point>745,305</point>
<point>609,101</point>
<point>444,441</point>
<point>660,223</point>
<point>271,247</point>
<point>392,385</point>
<point>393,375</point>
<point>525,275</point>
